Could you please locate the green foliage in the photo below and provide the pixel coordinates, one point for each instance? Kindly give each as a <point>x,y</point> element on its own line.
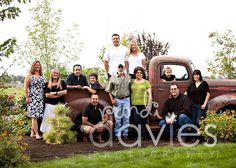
<point>7,47</point>
<point>13,125</point>
<point>45,44</point>
<point>10,12</point>
<point>223,63</point>
<point>61,125</point>
<point>102,79</point>
<point>225,126</point>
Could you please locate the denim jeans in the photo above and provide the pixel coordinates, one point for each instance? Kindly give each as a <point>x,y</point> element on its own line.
<point>181,120</point>
<point>197,113</point>
<point>122,113</point>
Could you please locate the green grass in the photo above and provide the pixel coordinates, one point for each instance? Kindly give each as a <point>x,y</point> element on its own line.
<point>221,155</point>
<point>18,90</point>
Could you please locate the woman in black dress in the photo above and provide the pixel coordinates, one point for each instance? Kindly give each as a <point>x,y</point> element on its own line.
<point>199,94</point>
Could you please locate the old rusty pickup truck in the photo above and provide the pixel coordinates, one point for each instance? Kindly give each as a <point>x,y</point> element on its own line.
<point>223,91</point>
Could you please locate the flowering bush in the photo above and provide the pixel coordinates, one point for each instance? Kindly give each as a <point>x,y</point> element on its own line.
<point>12,128</point>
<point>225,126</point>
<point>61,127</point>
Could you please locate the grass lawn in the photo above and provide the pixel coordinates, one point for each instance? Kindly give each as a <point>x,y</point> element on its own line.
<point>18,90</point>
<point>221,155</point>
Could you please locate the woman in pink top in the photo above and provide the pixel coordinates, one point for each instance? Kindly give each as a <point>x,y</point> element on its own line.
<point>134,59</point>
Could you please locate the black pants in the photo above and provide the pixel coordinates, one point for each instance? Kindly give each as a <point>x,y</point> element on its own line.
<point>140,117</point>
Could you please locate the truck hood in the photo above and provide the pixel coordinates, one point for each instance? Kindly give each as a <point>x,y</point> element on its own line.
<point>221,82</point>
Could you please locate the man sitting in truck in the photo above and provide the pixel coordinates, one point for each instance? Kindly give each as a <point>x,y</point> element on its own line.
<point>94,119</point>
<point>176,112</point>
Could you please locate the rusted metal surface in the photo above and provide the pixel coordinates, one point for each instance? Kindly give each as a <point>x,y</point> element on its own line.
<point>78,99</point>
<point>219,102</point>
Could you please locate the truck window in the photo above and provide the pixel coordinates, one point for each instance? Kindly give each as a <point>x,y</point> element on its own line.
<point>179,71</point>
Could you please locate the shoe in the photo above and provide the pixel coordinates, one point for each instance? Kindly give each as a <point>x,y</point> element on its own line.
<point>32,136</point>
<point>125,138</point>
<point>38,137</point>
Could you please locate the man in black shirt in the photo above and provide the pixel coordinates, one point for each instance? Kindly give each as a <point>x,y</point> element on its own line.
<point>176,111</point>
<point>76,79</point>
<point>94,119</point>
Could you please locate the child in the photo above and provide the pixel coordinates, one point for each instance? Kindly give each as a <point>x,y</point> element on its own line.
<point>167,76</point>
<point>94,85</point>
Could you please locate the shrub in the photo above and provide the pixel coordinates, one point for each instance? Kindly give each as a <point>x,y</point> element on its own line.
<point>61,127</point>
<point>225,126</point>
<point>12,129</point>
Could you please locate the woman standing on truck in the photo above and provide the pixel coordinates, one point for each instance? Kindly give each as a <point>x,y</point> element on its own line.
<point>199,94</point>
<point>34,94</point>
<point>135,58</point>
<point>141,100</point>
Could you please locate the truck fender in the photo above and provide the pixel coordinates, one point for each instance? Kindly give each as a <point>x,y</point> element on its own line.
<point>219,102</point>
<point>78,105</point>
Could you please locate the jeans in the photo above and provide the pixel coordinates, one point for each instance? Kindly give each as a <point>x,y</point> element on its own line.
<point>197,113</point>
<point>122,113</point>
<point>181,120</point>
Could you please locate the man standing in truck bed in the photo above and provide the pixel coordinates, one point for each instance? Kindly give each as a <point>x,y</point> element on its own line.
<point>114,55</point>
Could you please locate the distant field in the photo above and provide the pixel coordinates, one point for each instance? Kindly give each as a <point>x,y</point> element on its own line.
<point>19,91</point>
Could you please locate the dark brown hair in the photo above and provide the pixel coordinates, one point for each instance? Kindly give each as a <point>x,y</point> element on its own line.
<point>95,75</point>
<point>197,72</point>
<point>139,68</point>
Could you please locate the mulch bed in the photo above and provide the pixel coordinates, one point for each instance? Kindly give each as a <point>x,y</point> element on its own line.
<point>38,150</point>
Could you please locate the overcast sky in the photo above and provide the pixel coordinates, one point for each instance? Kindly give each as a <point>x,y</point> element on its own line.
<point>185,24</point>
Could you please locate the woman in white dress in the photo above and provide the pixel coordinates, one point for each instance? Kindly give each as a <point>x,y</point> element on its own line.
<point>55,90</point>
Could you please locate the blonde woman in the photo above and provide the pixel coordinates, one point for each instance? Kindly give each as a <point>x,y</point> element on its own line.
<point>134,59</point>
<point>55,90</point>
<point>34,93</point>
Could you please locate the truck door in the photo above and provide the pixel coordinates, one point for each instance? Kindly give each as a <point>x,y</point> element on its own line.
<point>161,90</point>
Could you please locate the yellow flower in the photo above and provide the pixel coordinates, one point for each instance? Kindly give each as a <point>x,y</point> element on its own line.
<point>21,123</point>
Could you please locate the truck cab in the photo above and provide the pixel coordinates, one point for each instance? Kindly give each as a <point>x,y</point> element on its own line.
<point>223,92</point>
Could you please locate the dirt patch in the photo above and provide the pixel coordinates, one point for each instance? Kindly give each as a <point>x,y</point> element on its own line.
<point>38,150</point>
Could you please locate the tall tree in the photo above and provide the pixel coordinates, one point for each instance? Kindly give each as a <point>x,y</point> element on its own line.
<point>151,47</point>
<point>44,42</point>
<point>224,61</point>
<point>9,12</point>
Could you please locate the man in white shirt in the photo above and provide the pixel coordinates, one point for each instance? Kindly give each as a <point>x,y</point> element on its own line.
<point>114,56</point>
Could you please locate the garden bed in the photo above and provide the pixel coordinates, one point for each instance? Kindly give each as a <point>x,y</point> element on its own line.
<point>38,150</point>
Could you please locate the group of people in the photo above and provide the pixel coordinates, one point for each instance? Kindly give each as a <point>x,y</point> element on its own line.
<point>186,108</point>
<point>128,89</point>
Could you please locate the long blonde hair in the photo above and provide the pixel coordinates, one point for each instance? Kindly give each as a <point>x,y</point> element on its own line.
<point>130,47</point>
<point>51,79</point>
